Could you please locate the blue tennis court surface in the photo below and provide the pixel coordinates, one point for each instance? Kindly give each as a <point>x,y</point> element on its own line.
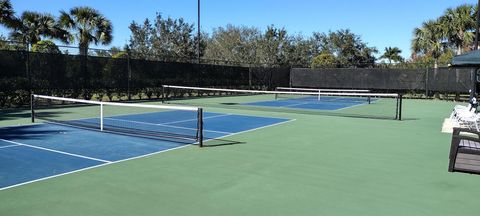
<point>324,103</point>
<point>33,152</point>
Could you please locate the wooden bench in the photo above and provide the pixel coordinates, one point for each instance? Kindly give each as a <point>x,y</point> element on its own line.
<point>465,151</point>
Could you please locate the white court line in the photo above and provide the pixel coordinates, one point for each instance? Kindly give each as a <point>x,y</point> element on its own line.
<point>209,117</point>
<point>360,104</point>
<point>8,146</point>
<point>254,129</point>
<point>141,156</point>
<point>334,101</point>
<point>56,151</point>
<point>92,167</point>
<point>172,126</point>
<point>348,107</point>
<point>291,105</point>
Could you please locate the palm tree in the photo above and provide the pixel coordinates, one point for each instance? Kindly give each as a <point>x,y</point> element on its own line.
<point>458,24</point>
<point>31,26</point>
<point>7,15</point>
<point>87,26</point>
<point>429,40</point>
<point>392,54</point>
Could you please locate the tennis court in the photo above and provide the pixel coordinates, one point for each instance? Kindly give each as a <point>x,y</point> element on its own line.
<point>315,165</point>
<point>246,108</point>
<point>34,152</point>
<point>325,103</point>
<point>319,102</point>
<point>348,104</point>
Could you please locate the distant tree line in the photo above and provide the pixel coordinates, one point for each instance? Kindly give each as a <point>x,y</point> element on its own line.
<point>274,46</point>
<point>81,25</point>
<point>437,40</point>
<point>433,43</point>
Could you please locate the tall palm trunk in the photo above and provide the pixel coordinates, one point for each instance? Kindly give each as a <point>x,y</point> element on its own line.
<point>84,70</point>
<point>83,48</point>
<point>459,49</point>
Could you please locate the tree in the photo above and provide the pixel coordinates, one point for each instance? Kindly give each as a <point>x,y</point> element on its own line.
<point>429,40</point>
<point>324,60</point>
<point>173,37</point>
<point>7,14</point>
<point>87,25</point>
<point>274,46</point>
<point>426,61</point>
<point>31,26</point>
<point>113,51</point>
<point>141,41</point>
<point>45,46</point>
<point>458,25</point>
<point>164,39</point>
<point>347,47</point>
<point>392,54</point>
<point>320,43</point>
<point>233,44</point>
<point>4,44</point>
<point>301,52</point>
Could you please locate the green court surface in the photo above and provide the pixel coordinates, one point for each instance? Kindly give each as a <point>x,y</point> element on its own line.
<point>315,165</point>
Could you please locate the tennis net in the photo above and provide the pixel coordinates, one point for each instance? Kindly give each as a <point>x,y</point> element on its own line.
<point>349,104</point>
<point>321,90</point>
<point>144,120</point>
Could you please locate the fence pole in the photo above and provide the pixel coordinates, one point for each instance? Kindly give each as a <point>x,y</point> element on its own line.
<point>27,69</point>
<point>163,94</point>
<point>426,83</point>
<point>290,77</point>
<point>129,78</point>
<point>249,77</point>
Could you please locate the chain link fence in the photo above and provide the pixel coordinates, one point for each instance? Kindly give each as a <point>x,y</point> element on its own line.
<point>123,78</point>
<point>425,81</point>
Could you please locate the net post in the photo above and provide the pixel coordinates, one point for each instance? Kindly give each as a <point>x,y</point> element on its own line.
<point>319,94</point>
<point>400,107</point>
<point>163,94</point>
<point>396,106</point>
<point>426,83</point>
<point>200,127</point>
<point>32,107</point>
<point>101,117</point>
<point>276,94</point>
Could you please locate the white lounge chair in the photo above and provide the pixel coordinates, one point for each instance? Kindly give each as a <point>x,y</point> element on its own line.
<point>460,110</point>
<point>470,120</point>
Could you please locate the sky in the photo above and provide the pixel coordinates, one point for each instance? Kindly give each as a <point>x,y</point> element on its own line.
<point>380,23</point>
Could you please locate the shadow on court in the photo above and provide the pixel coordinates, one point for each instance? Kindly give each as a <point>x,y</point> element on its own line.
<point>221,142</point>
<point>14,114</point>
<point>27,132</point>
